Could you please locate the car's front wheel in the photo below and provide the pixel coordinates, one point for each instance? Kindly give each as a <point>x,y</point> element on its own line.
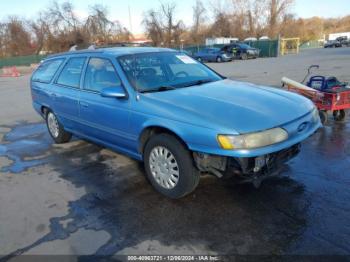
<point>56,129</point>
<point>169,166</point>
<point>244,56</point>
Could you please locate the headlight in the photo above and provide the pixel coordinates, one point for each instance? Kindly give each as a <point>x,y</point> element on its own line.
<point>253,140</point>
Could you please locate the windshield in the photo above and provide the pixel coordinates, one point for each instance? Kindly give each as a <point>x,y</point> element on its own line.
<point>164,71</point>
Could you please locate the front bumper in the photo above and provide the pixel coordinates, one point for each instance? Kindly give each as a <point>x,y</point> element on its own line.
<point>253,168</point>
<point>247,169</point>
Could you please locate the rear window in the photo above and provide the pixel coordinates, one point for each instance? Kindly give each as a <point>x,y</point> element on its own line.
<point>70,75</point>
<point>47,70</point>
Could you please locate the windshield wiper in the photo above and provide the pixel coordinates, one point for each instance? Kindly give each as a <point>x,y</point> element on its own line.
<point>198,82</point>
<point>158,89</point>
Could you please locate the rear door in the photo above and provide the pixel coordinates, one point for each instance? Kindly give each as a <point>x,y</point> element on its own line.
<point>103,118</point>
<point>65,92</point>
<point>40,83</point>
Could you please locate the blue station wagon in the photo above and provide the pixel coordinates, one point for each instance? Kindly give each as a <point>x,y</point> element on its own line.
<point>175,114</point>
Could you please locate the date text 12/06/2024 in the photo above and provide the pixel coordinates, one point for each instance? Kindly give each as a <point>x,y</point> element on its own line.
<point>174,258</point>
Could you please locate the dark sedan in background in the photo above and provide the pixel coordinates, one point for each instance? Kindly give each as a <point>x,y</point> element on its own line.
<point>241,51</point>
<point>332,44</point>
<point>213,55</point>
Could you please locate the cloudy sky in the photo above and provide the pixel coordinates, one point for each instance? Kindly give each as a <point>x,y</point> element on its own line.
<point>118,9</point>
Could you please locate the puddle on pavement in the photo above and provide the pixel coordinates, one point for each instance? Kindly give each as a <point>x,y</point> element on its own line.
<point>21,142</point>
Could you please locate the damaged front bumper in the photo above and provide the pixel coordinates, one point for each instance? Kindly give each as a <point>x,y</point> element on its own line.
<point>247,169</point>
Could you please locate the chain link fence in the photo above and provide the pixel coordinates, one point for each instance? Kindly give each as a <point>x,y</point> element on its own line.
<point>268,48</point>
<point>21,60</point>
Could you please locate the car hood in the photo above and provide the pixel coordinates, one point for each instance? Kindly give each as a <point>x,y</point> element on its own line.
<point>231,106</point>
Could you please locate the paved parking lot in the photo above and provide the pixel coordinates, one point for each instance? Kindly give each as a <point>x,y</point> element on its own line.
<point>80,198</point>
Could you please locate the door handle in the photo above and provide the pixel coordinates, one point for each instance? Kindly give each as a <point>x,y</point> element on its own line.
<point>83,104</point>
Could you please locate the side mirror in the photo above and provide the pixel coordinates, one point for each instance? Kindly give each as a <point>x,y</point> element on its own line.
<point>115,92</point>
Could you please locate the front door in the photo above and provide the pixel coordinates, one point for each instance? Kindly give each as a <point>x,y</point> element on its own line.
<point>103,118</point>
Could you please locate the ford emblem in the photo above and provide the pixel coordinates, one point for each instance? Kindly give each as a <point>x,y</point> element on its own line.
<point>302,127</point>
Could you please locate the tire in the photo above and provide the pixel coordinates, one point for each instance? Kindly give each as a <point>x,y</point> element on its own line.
<point>339,115</point>
<point>323,116</point>
<point>56,130</point>
<point>187,177</point>
<point>199,60</point>
<point>218,59</point>
<point>244,56</point>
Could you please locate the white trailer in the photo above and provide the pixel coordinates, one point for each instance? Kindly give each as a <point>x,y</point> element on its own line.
<point>336,35</point>
<point>220,41</point>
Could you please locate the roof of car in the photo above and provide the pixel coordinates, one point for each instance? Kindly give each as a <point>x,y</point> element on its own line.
<point>117,51</point>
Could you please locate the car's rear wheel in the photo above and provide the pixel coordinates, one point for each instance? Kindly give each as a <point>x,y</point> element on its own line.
<point>339,115</point>
<point>199,59</point>
<point>218,59</point>
<point>56,129</point>
<point>169,166</point>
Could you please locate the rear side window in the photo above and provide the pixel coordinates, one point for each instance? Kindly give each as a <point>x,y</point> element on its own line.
<point>47,70</point>
<point>70,75</point>
<point>100,74</point>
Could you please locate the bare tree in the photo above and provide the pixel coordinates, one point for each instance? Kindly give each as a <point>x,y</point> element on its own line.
<point>3,39</point>
<point>65,29</point>
<point>153,26</point>
<point>40,29</point>
<point>17,39</point>
<point>120,33</point>
<point>277,9</point>
<point>62,17</point>
<point>97,25</point>
<point>162,27</point>
<point>167,11</point>
<point>222,24</point>
<point>199,15</point>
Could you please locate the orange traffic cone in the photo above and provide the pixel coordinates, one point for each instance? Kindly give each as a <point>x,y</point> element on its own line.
<point>15,72</point>
<point>10,72</point>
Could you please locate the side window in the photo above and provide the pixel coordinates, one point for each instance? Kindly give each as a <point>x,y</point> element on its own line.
<point>100,74</point>
<point>70,75</point>
<point>47,70</point>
